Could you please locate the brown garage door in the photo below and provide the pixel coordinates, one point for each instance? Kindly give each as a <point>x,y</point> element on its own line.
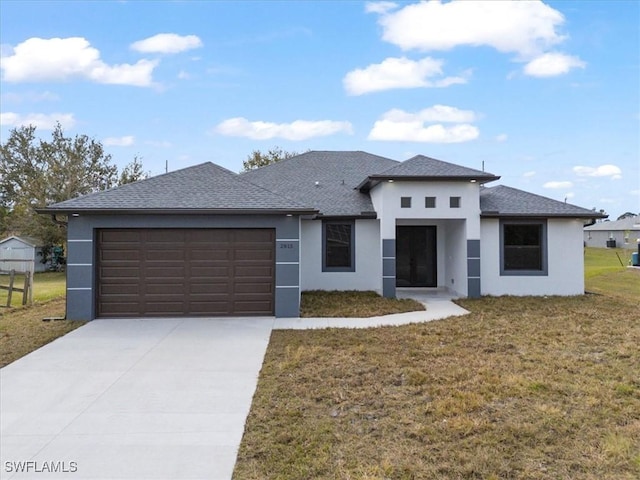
<point>178,272</point>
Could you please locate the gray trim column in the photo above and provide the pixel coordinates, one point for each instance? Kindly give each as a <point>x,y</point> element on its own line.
<point>287,302</point>
<point>473,269</point>
<point>389,267</point>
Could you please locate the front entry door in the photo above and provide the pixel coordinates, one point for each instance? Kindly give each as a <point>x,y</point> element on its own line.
<point>416,258</point>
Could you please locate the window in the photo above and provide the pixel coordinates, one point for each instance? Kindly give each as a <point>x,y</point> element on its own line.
<point>338,253</point>
<point>524,248</point>
<point>405,202</point>
<point>454,202</point>
<point>429,202</point>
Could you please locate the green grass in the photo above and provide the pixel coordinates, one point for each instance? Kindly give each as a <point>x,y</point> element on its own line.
<point>598,261</point>
<point>47,286</point>
<point>320,303</point>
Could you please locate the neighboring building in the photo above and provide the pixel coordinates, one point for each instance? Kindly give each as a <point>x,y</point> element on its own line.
<point>206,241</point>
<point>625,233</point>
<point>21,254</point>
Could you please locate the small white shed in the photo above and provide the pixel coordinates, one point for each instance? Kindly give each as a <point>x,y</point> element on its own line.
<point>21,254</point>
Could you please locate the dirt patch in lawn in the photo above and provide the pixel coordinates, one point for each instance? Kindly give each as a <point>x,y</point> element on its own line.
<point>22,330</point>
<point>521,388</point>
<point>350,304</point>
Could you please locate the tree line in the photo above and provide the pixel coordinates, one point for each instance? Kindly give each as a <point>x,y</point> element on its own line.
<point>36,172</point>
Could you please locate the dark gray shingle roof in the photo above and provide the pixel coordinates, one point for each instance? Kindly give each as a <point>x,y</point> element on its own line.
<point>503,201</point>
<point>204,187</point>
<point>427,168</point>
<point>337,174</point>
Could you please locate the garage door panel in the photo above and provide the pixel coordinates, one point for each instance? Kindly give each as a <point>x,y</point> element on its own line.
<point>212,254</point>
<point>170,255</point>
<point>125,254</point>
<point>120,289</point>
<point>120,272</point>
<point>253,271</point>
<point>251,308</point>
<point>252,287</point>
<point>153,273</point>
<point>186,272</point>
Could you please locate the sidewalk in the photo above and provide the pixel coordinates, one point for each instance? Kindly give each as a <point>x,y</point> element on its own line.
<point>438,304</point>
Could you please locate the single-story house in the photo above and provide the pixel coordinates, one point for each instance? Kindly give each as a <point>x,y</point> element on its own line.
<point>22,254</point>
<point>206,241</point>
<point>625,233</point>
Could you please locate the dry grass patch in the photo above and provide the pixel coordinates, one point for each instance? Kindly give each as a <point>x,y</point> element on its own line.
<point>22,329</point>
<point>523,388</point>
<point>321,303</point>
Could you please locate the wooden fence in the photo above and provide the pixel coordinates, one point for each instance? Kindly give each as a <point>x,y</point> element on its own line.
<point>26,290</point>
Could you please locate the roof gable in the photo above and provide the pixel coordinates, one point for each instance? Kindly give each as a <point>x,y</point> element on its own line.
<point>30,241</point>
<point>503,201</point>
<point>206,187</point>
<point>425,168</point>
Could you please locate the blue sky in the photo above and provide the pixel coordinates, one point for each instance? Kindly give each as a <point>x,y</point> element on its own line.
<point>546,94</point>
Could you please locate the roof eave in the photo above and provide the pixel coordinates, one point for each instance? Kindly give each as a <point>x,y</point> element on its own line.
<point>173,211</point>
<point>373,180</point>
<point>494,214</point>
<point>359,216</point>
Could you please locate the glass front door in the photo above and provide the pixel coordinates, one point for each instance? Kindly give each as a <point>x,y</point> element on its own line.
<point>416,257</point>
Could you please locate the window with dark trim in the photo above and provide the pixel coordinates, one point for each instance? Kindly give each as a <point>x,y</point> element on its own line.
<point>429,202</point>
<point>523,247</point>
<point>405,202</point>
<point>454,202</point>
<point>338,246</point>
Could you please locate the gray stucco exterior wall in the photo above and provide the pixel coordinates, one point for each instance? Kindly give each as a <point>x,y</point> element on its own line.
<point>81,251</point>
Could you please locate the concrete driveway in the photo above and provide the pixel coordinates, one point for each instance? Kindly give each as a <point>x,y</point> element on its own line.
<point>161,399</point>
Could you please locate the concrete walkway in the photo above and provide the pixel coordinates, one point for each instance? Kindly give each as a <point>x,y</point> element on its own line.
<point>147,398</point>
<point>437,302</point>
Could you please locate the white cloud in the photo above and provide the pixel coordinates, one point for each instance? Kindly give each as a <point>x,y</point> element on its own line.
<point>569,195</point>
<point>398,73</point>
<point>398,125</point>
<point>44,121</point>
<point>552,64</point>
<point>167,43</point>
<point>529,174</point>
<point>525,28</point>
<point>602,171</point>
<point>297,130</point>
<point>125,141</point>
<point>379,7</point>
<point>528,29</point>
<point>502,138</point>
<point>557,184</point>
<point>437,113</point>
<point>61,59</point>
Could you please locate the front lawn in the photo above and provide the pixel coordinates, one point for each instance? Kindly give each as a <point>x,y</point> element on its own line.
<point>320,303</point>
<point>530,388</point>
